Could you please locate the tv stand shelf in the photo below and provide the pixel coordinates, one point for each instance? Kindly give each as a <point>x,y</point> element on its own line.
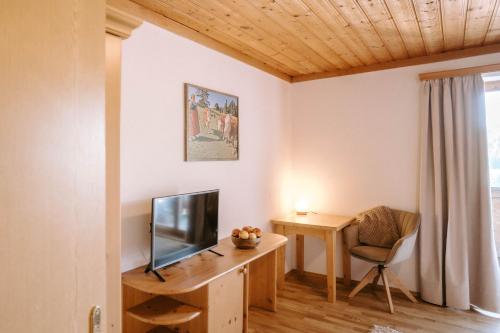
<point>162,310</point>
<point>205,293</point>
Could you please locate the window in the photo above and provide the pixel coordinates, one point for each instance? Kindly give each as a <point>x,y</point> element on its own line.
<point>493,127</point>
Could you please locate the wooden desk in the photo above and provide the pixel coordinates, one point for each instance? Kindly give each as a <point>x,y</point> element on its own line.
<point>205,293</point>
<point>322,226</point>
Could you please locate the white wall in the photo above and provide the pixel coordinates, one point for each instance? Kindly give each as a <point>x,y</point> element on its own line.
<point>156,64</point>
<point>355,146</point>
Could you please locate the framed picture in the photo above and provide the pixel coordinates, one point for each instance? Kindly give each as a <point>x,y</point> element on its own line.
<point>212,122</point>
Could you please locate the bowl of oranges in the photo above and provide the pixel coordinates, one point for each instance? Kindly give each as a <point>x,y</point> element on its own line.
<point>246,238</point>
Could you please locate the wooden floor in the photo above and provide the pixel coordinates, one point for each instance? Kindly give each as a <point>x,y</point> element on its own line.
<point>302,307</point>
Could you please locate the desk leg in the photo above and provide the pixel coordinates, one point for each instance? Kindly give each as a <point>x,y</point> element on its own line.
<point>330,238</point>
<point>346,262</point>
<point>299,249</point>
<point>279,229</point>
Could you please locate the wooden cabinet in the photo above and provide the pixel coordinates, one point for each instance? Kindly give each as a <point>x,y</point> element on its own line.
<point>205,293</point>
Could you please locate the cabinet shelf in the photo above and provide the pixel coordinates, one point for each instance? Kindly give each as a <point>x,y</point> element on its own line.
<point>162,310</point>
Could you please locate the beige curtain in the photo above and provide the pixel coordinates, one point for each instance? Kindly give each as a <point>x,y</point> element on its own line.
<point>458,264</point>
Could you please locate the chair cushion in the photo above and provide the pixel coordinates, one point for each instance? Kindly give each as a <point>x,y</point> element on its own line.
<point>377,227</point>
<point>372,253</point>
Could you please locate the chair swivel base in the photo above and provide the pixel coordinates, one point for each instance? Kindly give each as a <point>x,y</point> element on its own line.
<point>387,275</point>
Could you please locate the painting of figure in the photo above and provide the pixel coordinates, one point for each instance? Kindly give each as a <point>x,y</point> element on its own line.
<point>212,121</point>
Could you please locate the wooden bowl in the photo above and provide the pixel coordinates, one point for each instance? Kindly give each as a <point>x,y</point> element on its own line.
<point>245,243</point>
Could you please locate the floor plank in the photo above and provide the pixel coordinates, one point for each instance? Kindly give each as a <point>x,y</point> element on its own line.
<point>302,307</point>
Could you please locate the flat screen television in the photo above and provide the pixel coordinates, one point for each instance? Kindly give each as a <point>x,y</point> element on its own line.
<point>182,226</point>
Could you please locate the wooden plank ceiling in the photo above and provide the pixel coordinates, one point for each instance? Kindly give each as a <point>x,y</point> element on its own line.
<point>308,39</point>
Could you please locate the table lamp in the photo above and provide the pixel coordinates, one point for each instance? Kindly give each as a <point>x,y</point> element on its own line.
<point>302,207</point>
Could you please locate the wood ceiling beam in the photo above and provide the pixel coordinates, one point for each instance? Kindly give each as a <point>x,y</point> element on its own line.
<point>403,63</point>
<point>184,31</point>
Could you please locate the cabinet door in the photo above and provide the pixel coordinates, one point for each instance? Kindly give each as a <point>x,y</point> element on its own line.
<point>225,308</point>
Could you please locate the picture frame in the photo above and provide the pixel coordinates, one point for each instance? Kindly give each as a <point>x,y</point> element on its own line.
<point>211,118</point>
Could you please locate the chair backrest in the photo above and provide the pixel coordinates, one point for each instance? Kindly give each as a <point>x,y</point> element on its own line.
<point>407,222</point>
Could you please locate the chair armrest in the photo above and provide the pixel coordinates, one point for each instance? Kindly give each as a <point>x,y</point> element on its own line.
<point>351,236</point>
<point>402,249</point>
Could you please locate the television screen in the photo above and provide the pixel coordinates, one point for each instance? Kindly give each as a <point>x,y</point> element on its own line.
<point>183,225</point>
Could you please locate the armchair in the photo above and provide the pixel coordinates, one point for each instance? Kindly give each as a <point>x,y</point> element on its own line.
<point>407,224</point>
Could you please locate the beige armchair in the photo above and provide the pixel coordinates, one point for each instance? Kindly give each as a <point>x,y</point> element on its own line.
<point>408,224</point>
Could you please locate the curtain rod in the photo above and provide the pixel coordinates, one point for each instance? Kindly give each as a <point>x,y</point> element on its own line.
<point>459,72</point>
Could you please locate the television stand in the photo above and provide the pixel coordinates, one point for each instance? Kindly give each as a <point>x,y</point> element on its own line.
<point>205,293</point>
<point>217,253</point>
<point>155,272</point>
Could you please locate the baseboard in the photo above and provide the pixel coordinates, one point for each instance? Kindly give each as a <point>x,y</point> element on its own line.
<point>317,278</point>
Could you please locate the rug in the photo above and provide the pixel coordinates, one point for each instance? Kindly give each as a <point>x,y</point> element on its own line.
<point>383,329</point>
